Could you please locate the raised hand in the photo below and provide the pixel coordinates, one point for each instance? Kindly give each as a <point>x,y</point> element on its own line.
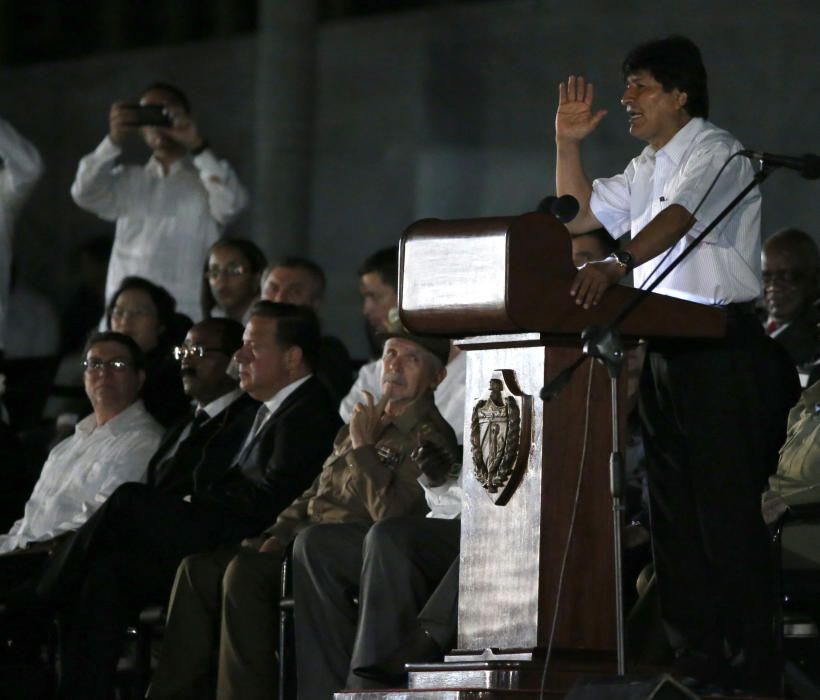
<point>184,130</point>
<point>366,421</point>
<point>120,122</point>
<point>575,119</point>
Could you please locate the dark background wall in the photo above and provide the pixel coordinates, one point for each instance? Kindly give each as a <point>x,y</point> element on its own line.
<point>445,112</point>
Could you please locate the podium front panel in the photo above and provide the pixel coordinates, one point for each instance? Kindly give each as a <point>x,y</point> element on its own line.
<point>511,554</point>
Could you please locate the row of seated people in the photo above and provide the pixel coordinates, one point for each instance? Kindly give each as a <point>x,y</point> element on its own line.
<point>65,498</point>
<point>62,583</point>
<point>215,482</point>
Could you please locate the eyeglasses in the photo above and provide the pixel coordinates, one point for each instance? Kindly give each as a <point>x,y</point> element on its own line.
<point>120,312</point>
<point>232,270</point>
<point>790,277</point>
<point>95,364</point>
<point>182,352</point>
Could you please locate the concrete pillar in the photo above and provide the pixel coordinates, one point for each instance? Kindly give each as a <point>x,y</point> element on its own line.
<point>283,126</point>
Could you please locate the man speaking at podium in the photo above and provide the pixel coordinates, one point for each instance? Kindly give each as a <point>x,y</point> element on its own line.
<point>713,412</point>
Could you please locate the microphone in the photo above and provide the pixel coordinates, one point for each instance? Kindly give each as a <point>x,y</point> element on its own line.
<point>564,208</point>
<point>808,165</point>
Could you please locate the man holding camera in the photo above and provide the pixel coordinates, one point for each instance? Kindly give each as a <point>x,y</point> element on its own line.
<point>167,212</point>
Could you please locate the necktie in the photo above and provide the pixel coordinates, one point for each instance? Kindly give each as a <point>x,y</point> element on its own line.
<point>261,414</point>
<point>199,418</point>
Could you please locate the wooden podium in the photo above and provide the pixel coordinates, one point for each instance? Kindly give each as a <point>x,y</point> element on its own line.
<point>501,286</point>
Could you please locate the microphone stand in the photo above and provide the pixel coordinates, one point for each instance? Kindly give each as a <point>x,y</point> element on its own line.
<point>603,343</point>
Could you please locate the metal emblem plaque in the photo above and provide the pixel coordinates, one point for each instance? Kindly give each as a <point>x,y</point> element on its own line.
<point>500,436</point>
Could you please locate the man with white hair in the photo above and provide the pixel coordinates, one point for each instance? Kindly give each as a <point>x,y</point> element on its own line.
<point>370,475</point>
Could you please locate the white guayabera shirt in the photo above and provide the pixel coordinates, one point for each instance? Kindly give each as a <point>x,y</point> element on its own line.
<point>165,221</point>
<point>83,471</point>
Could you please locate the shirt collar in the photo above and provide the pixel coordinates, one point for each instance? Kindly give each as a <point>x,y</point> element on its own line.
<point>154,167</point>
<point>413,414</point>
<point>675,148</point>
<point>218,405</point>
<point>121,423</point>
<point>274,403</point>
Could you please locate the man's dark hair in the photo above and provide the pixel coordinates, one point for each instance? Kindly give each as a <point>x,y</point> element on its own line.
<point>608,244</point>
<point>385,263</point>
<point>172,90</point>
<point>137,355</point>
<point>295,325</point>
<point>675,62</point>
<point>295,262</point>
<point>248,249</point>
<point>230,332</point>
<point>165,303</point>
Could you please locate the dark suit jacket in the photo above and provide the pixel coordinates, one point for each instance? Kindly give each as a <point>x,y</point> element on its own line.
<point>284,459</point>
<point>801,337</point>
<point>206,454</point>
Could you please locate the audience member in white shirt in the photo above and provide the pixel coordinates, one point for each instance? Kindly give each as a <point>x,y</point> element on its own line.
<point>167,212</point>
<point>109,447</point>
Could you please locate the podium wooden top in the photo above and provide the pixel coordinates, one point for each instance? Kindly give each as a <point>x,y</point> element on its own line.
<point>468,277</point>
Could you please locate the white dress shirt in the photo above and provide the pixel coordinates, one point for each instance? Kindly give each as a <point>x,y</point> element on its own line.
<point>20,169</point>
<point>82,471</point>
<point>444,501</point>
<point>725,266</point>
<point>165,221</point>
<point>449,395</point>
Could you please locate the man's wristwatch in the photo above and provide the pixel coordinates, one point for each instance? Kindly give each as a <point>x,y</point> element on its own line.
<point>624,259</point>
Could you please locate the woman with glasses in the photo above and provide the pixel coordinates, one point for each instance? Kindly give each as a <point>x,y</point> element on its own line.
<point>231,278</point>
<point>147,313</point>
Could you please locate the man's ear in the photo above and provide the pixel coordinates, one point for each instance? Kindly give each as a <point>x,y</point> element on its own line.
<point>140,379</point>
<point>438,377</point>
<point>683,98</point>
<point>294,357</point>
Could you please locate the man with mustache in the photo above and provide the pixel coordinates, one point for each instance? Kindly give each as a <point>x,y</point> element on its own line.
<point>713,412</point>
<point>370,475</point>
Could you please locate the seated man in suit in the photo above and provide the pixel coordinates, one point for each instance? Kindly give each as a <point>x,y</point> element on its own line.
<point>200,446</point>
<point>130,559</point>
<point>301,281</point>
<point>371,474</point>
<point>109,447</point>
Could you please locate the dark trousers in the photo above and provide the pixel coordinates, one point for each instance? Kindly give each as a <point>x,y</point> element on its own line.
<point>122,559</point>
<point>714,415</point>
<point>439,616</point>
<point>393,568</point>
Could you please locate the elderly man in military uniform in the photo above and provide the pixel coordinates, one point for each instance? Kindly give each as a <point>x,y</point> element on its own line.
<point>370,475</point>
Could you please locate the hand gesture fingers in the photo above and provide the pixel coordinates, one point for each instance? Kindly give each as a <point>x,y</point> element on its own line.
<point>574,118</point>
<point>120,121</point>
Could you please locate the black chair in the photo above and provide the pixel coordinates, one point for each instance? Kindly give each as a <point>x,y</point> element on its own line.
<point>287,644</point>
<point>136,665</point>
<point>799,610</point>
<point>287,647</point>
